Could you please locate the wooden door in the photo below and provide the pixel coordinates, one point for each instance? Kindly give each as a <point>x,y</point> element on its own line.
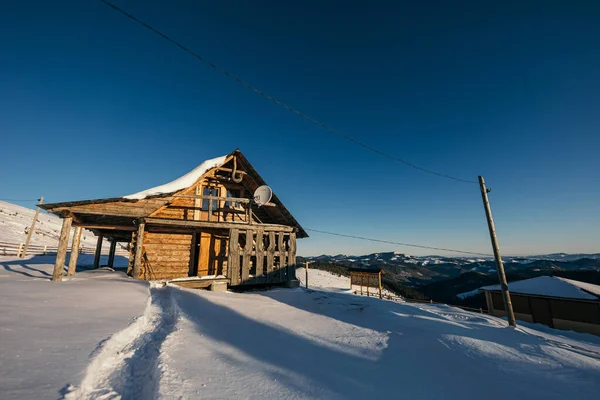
<point>212,258</point>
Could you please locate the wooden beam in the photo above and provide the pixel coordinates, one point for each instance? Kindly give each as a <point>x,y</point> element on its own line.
<point>260,256</point>
<point>139,243</point>
<point>247,255</point>
<point>61,254</point>
<point>214,225</point>
<point>220,198</point>
<point>231,170</point>
<point>233,260</point>
<point>132,213</point>
<point>107,227</point>
<point>74,251</point>
<point>111,253</point>
<point>270,256</point>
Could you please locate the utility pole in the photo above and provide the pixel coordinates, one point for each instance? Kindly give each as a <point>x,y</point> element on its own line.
<point>30,233</point>
<point>499,265</point>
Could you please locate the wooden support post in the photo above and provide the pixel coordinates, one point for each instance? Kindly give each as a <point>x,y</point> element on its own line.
<point>111,253</point>
<point>197,203</point>
<point>247,255</point>
<point>98,251</point>
<point>45,248</point>
<point>271,257</point>
<point>74,251</point>
<point>61,254</point>
<point>368,284</point>
<point>139,244</point>
<point>260,255</point>
<point>234,256</point>
<point>19,250</point>
<point>291,267</point>
<point>306,276</point>
<point>281,246</point>
<point>32,228</point>
<point>362,279</point>
<point>379,283</point>
<point>497,256</point>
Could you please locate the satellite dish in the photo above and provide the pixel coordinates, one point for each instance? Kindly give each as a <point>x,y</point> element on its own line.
<point>262,195</point>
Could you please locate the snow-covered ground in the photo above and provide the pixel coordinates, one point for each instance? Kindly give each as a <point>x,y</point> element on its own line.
<point>48,330</point>
<point>327,281</point>
<point>278,344</point>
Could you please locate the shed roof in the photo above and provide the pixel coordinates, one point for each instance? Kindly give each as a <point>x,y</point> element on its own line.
<point>552,286</point>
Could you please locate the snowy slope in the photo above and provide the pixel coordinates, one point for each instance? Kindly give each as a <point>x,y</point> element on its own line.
<point>15,221</point>
<point>324,280</point>
<point>279,344</point>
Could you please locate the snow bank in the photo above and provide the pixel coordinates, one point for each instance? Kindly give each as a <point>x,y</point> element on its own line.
<point>553,286</point>
<point>180,183</point>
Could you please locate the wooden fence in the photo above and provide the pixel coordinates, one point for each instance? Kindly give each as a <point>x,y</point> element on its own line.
<point>15,249</point>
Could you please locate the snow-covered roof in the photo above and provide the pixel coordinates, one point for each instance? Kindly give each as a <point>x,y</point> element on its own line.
<point>553,286</point>
<point>180,183</point>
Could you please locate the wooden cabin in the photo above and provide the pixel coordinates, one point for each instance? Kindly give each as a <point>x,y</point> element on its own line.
<point>204,226</point>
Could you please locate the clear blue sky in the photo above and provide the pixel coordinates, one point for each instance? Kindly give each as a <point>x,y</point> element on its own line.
<point>92,105</point>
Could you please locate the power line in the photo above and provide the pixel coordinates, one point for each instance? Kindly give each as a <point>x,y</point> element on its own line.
<point>278,102</point>
<point>398,243</point>
<point>19,200</point>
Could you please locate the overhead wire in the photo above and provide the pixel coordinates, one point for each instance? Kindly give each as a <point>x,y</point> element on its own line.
<point>399,243</point>
<point>279,102</point>
<point>19,199</point>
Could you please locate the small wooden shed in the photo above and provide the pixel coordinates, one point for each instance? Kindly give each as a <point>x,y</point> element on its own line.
<point>204,227</point>
<point>550,300</point>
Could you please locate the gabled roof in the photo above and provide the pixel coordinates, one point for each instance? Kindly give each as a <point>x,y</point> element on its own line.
<point>145,202</point>
<point>552,286</point>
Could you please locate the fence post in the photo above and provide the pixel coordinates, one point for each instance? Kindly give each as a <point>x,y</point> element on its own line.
<point>19,251</point>
<point>45,248</point>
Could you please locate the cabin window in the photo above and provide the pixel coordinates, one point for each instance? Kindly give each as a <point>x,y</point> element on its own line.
<point>233,193</point>
<point>213,203</point>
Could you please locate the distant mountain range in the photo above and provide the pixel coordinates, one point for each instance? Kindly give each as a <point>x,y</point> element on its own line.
<point>447,279</point>
<point>422,270</point>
